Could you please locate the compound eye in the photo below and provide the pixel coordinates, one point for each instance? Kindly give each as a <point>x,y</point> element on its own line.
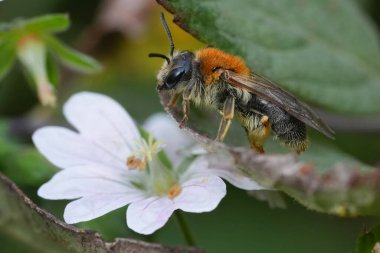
<point>174,77</point>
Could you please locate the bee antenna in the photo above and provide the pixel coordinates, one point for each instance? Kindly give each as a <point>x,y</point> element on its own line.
<point>159,56</point>
<point>168,33</point>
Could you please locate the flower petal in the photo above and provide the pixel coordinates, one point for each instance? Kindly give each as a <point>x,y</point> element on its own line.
<point>224,167</point>
<point>166,129</point>
<point>201,194</point>
<point>104,121</point>
<point>91,207</point>
<point>238,179</point>
<point>148,215</point>
<point>83,181</point>
<point>65,148</point>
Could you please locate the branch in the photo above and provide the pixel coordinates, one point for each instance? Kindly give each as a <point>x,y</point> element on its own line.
<point>341,189</point>
<point>23,220</point>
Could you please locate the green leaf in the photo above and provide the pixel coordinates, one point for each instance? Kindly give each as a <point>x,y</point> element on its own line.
<point>47,23</point>
<point>52,70</point>
<point>366,242</point>
<point>22,162</point>
<point>324,156</point>
<point>325,51</point>
<point>7,55</point>
<point>26,167</point>
<point>71,57</point>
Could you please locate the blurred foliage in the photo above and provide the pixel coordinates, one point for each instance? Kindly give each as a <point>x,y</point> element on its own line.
<point>367,241</point>
<point>23,163</point>
<point>241,223</point>
<point>31,41</point>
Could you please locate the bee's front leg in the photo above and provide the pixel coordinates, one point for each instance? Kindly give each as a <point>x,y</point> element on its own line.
<point>185,106</point>
<point>228,115</point>
<point>173,100</point>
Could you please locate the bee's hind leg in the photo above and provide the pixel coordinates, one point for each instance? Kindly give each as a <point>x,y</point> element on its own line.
<point>257,137</point>
<point>228,115</point>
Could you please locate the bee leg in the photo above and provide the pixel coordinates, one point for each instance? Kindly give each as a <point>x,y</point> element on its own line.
<point>256,138</point>
<point>264,120</point>
<point>185,107</point>
<point>173,100</point>
<point>228,115</point>
<point>257,146</point>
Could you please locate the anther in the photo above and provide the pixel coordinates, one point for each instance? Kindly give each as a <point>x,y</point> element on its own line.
<point>174,191</point>
<point>135,163</point>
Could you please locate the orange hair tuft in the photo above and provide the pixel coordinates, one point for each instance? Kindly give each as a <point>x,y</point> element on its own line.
<point>212,58</point>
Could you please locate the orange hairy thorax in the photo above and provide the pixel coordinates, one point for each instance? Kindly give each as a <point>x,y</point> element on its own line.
<point>212,59</point>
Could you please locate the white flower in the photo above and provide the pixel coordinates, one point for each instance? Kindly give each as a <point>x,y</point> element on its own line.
<point>107,165</point>
<point>180,144</point>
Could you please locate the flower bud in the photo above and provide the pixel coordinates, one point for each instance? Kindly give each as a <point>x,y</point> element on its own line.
<point>32,54</point>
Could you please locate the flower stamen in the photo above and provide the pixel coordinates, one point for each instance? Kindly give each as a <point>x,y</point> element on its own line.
<point>174,191</point>
<point>147,149</point>
<point>135,163</point>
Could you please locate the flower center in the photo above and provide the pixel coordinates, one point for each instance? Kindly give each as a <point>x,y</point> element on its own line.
<point>146,149</point>
<point>174,191</point>
<point>157,177</point>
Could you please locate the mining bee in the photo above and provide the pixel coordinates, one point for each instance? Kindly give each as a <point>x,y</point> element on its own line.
<point>215,79</point>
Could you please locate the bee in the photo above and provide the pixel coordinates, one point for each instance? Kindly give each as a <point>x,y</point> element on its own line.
<point>215,79</point>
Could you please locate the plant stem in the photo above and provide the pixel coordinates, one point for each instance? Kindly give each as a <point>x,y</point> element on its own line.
<point>185,228</point>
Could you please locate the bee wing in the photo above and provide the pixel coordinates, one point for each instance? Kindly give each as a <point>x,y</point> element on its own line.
<point>271,92</point>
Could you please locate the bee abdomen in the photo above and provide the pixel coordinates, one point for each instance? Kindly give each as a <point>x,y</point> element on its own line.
<point>291,132</point>
<point>285,127</point>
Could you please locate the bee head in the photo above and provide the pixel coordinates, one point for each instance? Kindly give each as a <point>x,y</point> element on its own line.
<point>177,67</point>
<point>177,72</point>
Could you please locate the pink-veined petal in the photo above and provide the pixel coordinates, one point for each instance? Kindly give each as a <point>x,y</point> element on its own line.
<point>91,207</point>
<point>166,129</point>
<point>148,215</point>
<point>201,194</point>
<point>238,179</point>
<point>65,148</point>
<point>104,121</point>
<point>224,167</point>
<point>82,181</point>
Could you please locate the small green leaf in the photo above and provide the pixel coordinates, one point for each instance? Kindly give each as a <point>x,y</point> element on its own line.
<point>71,57</point>
<point>7,56</point>
<point>325,51</point>
<point>52,70</point>
<point>48,23</point>
<point>366,242</point>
